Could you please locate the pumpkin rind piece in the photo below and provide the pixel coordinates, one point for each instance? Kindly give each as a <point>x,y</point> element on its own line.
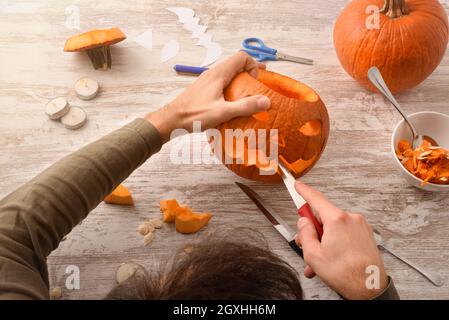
<point>120,196</point>
<point>188,222</point>
<point>168,209</point>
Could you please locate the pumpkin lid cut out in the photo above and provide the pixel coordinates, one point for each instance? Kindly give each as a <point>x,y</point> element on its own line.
<point>96,43</point>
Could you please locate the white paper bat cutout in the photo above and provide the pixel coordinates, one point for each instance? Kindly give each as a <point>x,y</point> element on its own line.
<point>187,17</point>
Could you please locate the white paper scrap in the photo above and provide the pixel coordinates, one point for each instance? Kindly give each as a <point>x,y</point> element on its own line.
<point>191,23</point>
<point>212,55</point>
<point>170,50</point>
<point>145,39</point>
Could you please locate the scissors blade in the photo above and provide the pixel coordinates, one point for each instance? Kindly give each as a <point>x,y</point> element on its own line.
<point>278,223</point>
<point>286,57</point>
<point>289,182</point>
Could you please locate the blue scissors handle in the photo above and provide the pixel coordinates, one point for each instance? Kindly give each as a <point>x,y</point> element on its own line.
<point>259,46</point>
<point>260,56</point>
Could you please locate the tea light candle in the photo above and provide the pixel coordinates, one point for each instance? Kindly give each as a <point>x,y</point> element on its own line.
<point>75,118</point>
<point>86,88</point>
<point>57,108</point>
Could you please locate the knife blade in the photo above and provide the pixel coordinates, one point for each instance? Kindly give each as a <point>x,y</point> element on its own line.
<point>276,221</point>
<point>304,209</point>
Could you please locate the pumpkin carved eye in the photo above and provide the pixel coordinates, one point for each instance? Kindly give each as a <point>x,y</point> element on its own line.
<point>299,140</point>
<point>311,128</point>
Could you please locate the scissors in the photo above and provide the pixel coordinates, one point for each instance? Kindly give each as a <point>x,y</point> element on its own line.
<point>256,48</point>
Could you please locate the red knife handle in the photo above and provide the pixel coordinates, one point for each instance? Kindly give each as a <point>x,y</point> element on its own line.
<point>306,212</point>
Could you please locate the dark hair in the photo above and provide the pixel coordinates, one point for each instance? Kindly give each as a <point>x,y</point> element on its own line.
<point>220,266</point>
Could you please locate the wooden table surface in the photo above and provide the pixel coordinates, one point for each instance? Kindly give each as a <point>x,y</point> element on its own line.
<point>356,170</point>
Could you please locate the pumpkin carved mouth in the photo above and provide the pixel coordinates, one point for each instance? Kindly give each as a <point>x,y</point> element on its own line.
<point>296,126</point>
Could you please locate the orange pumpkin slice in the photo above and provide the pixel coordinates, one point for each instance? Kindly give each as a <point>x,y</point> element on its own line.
<point>168,209</point>
<point>120,196</point>
<point>97,44</point>
<point>188,222</point>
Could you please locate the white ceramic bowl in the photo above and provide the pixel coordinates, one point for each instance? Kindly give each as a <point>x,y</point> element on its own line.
<point>433,124</point>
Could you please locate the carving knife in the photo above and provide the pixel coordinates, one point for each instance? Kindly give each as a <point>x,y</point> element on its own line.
<point>277,222</point>
<point>304,209</point>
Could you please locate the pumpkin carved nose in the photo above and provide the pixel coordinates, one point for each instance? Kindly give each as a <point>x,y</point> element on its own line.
<point>311,128</point>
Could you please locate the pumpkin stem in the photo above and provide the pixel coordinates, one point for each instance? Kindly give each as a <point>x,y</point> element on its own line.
<point>394,8</point>
<point>100,57</point>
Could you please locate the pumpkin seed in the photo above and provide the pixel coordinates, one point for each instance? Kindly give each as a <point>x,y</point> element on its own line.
<point>188,249</point>
<point>425,154</point>
<point>145,228</point>
<point>157,223</point>
<point>56,293</point>
<point>148,238</point>
<point>126,271</point>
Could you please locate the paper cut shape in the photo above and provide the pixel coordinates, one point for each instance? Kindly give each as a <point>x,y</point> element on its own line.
<point>187,17</point>
<point>145,39</point>
<point>170,50</point>
<point>212,55</point>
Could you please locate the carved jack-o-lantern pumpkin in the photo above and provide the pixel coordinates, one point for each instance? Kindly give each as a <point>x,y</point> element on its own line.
<point>298,114</point>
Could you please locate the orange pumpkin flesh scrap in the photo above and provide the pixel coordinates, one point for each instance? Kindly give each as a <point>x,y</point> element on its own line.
<point>188,222</point>
<point>427,162</point>
<point>410,39</point>
<point>120,196</point>
<point>97,44</point>
<point>168,209</point>
<point>293,104</point>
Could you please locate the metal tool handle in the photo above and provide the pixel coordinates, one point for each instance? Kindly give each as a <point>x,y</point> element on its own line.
<point>286,57</point>
<point>434,278</point>
<point>260,45</point>
<point>296,248</point>
<point>306,212</point>
<point>378,81</point>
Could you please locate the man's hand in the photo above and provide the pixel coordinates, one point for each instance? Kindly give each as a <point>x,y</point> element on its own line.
<point>203,100</point>
<point>346,249</point>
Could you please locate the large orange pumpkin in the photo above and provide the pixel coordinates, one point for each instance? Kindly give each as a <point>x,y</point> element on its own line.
<point>406,40</point>
<point>296,111</point>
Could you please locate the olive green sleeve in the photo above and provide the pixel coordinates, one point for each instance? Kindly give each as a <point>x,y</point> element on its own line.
<point>390,292</point>
<point>35,217</point>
